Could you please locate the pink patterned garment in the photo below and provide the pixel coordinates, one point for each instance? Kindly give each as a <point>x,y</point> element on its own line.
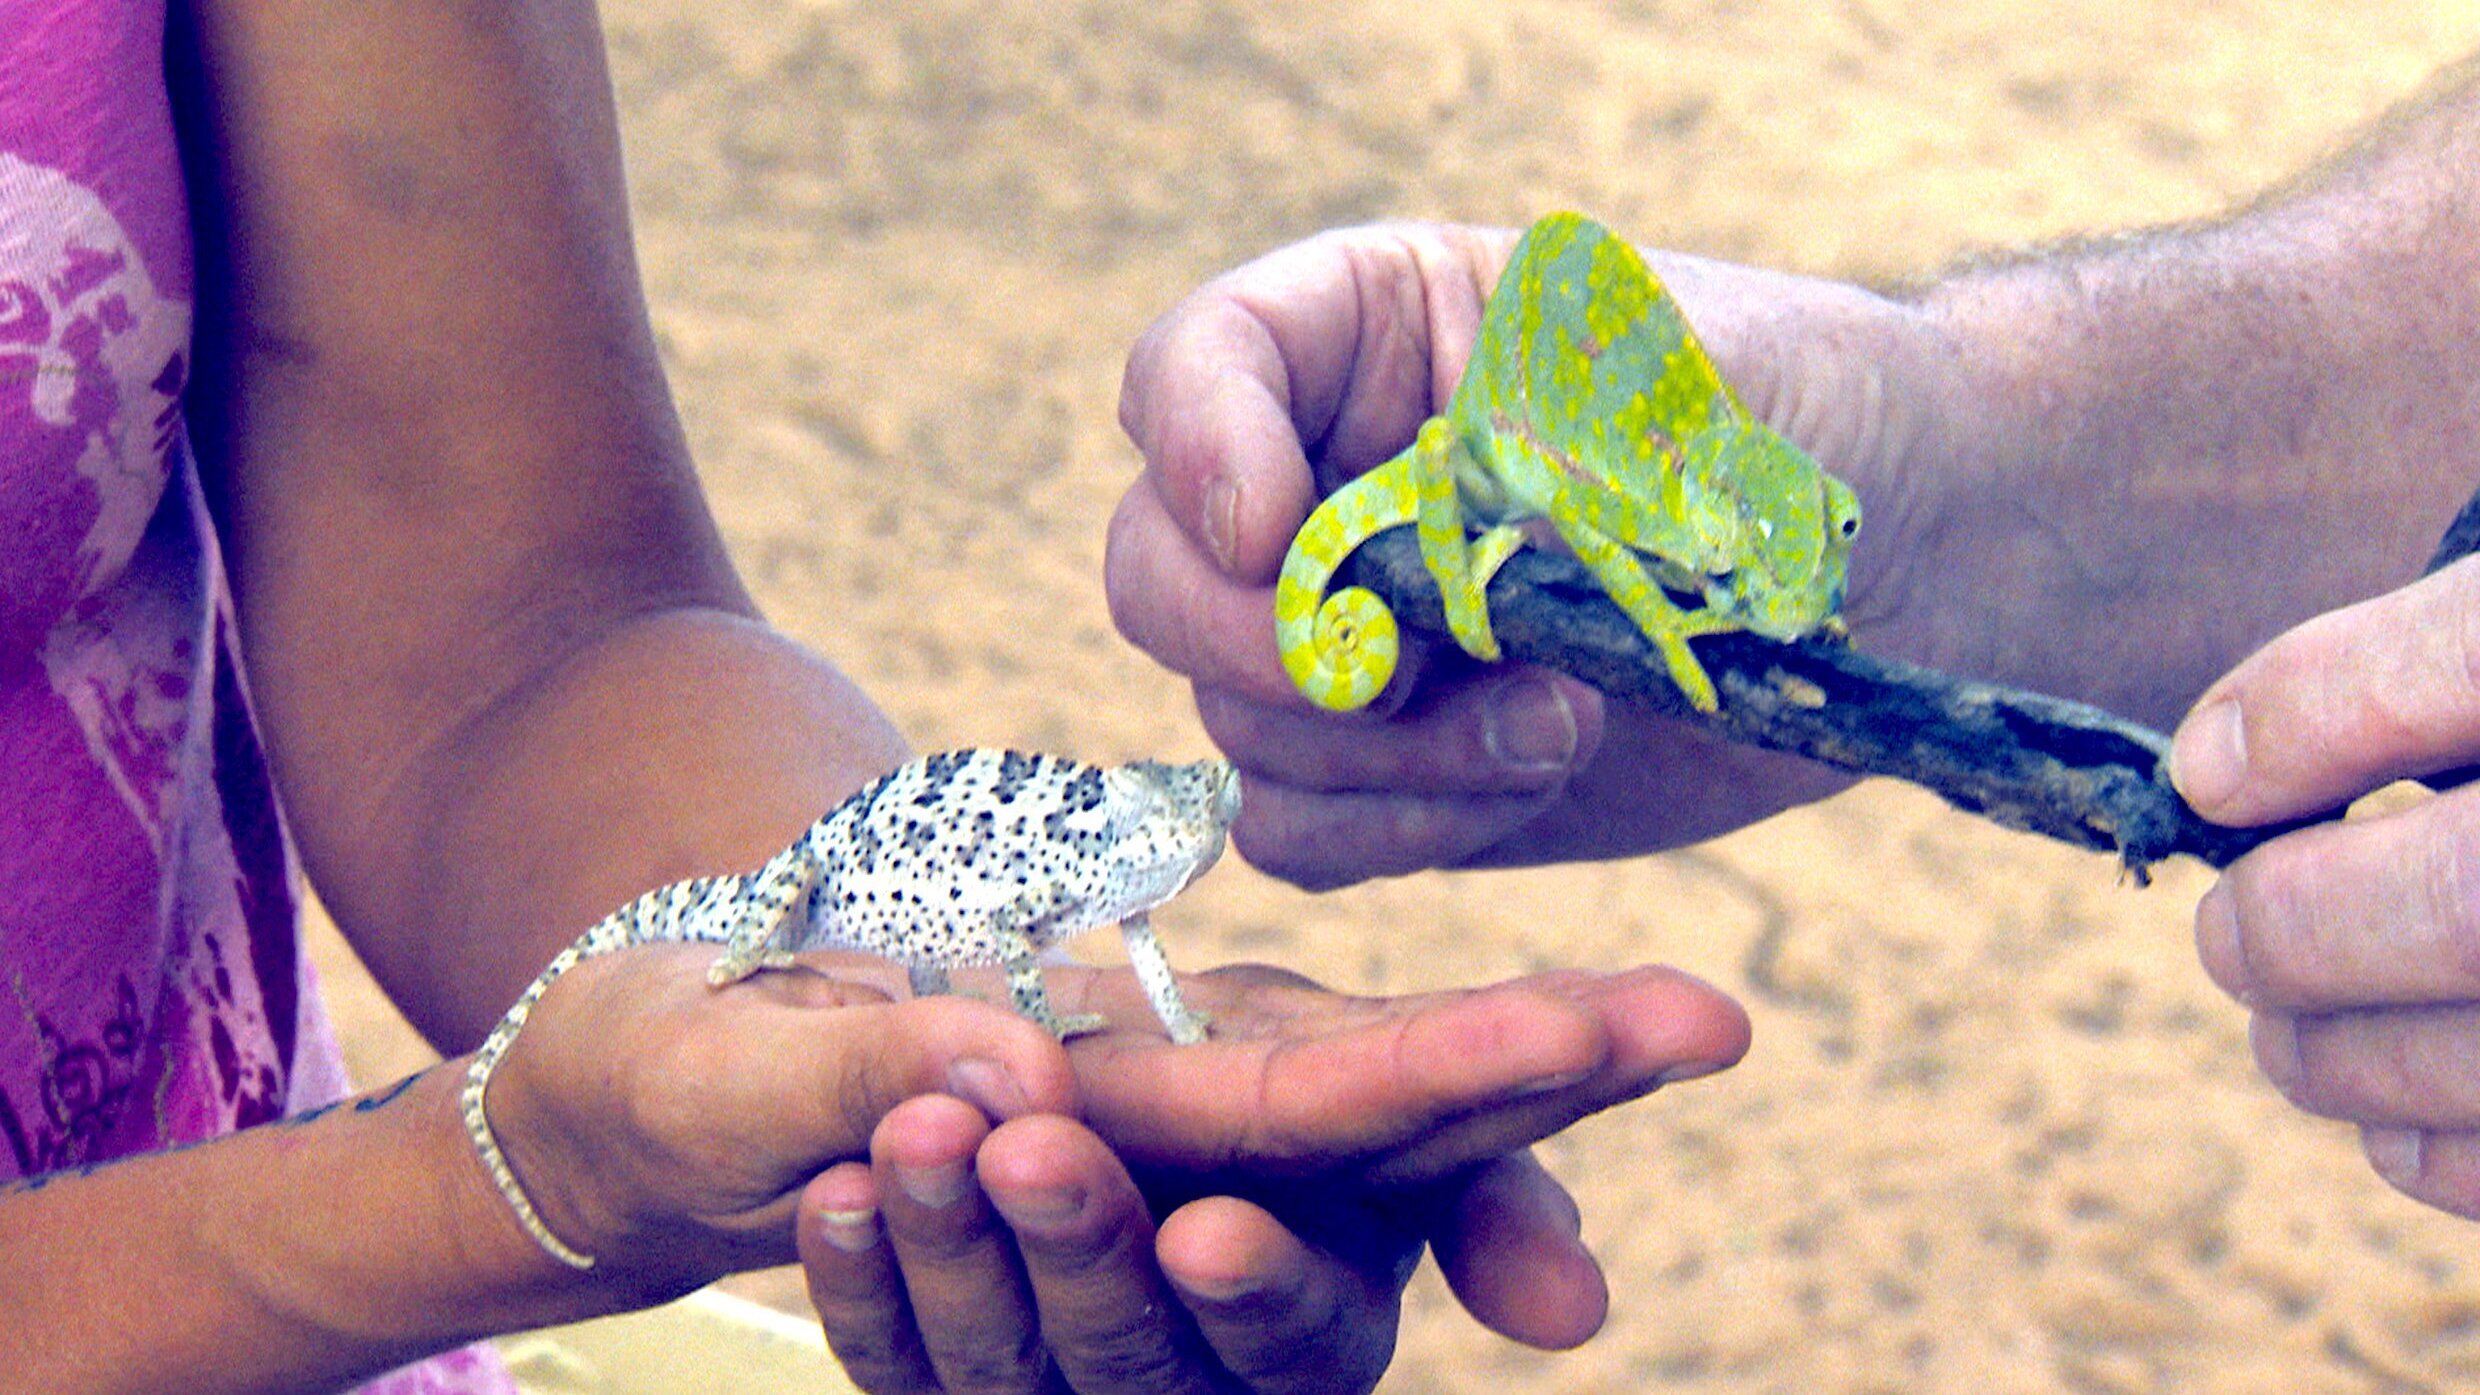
<point>156,990</point>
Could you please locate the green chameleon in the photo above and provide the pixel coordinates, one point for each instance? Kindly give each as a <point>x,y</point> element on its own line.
<point>1589,403</point>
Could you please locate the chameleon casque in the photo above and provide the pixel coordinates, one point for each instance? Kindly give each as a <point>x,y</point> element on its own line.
<point>973,857</point>
<point>1588,403</point>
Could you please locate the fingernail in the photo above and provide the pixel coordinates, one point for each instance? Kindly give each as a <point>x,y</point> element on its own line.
<point>1040,1208</point>
<point>1218,1288</point>
<point>2395,1154</point>
<point>2276,1043</point>
<point>1527,725</point>
<point>988,1086</point>
<point>1550,1084</point>
<point>1691,1070</point>
<point>936,1187</point>
<point>854,1232</point>
<point>2217,943</point>
<point>2208,755</point>
<point>1222,521</point>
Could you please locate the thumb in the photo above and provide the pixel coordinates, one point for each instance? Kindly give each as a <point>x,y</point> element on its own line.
<point>821,1093</point>
<point>2341,704</point>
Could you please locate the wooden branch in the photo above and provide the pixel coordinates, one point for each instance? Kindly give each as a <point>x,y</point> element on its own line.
<point>2027,761</point>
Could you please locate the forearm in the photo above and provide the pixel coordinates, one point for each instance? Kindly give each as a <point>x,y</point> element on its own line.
<point>508,676</point>
<point>679,744</point>
<point>2191,439</point>
<point>295,1256</point>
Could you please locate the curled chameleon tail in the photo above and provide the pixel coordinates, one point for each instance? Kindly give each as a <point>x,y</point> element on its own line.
<point>1341,649</point>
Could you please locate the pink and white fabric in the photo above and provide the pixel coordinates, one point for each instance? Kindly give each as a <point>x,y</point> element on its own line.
<point>153,989</point>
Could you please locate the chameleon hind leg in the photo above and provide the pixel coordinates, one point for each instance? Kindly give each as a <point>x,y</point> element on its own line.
<point>1662,620</point>
<point>1032,998</point>
<point>1461,566</point>
<point>768,907</point>
<point>1011,930</point>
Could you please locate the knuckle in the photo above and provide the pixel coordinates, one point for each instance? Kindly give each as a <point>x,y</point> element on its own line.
<point>1136,1353</point>
<point>659,1107</point>
<point>2429,693</point>
<point>2366,1069</point>
<point>1127,590</point>
<point>976,1365</point>
<point>875,1361</point>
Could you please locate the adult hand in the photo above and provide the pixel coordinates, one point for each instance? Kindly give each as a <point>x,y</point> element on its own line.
<point>2356,946</point>
<point>1317,362</point>
<point>1299,1160</point>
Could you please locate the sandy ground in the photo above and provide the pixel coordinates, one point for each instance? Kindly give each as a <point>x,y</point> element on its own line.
<point>1998,1133</point>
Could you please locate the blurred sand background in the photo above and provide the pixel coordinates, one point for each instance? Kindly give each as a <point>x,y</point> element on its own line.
<point>1997,1133</point>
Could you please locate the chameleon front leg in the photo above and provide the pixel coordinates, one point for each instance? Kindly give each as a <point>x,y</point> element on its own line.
<point>1461,566</point>
<point>1186,1025</point>
<point>1663,621</point>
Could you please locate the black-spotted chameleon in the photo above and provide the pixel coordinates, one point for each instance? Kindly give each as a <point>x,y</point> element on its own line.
<point>964,858</point>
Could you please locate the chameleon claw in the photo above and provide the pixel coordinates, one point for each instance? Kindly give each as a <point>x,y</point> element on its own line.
<point>1694,683</point>
<point>1078,1024</point>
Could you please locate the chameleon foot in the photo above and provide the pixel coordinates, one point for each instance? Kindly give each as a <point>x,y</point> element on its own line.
<point>1033,1001</point>
<point>733,965</point>
<point>1077,1024</point>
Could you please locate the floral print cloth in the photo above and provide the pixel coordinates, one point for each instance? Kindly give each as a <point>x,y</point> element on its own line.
<point>156,991</point>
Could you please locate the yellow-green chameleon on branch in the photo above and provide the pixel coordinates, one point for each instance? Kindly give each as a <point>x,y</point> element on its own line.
<point>1589,403</point>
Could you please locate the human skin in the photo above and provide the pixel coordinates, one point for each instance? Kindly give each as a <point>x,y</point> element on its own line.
<point>2108,469</point>
<point>508,679</point>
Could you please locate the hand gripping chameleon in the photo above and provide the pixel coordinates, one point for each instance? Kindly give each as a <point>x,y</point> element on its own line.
<point>965,858</point>
<point>1588,402</point>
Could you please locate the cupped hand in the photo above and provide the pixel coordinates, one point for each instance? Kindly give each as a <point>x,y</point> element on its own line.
<point>1282,379</point>
<point>1298,1162</point>
<point>2356,945</point>
<point>668,1128</point>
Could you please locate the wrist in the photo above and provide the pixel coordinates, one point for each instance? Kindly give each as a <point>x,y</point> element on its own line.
<point>303,1254</point>
<point>2170,447</point>
<point>401,1238</point>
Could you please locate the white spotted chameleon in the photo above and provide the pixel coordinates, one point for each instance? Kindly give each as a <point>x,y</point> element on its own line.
<point>966,858</point>
<point>1589,403</point>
